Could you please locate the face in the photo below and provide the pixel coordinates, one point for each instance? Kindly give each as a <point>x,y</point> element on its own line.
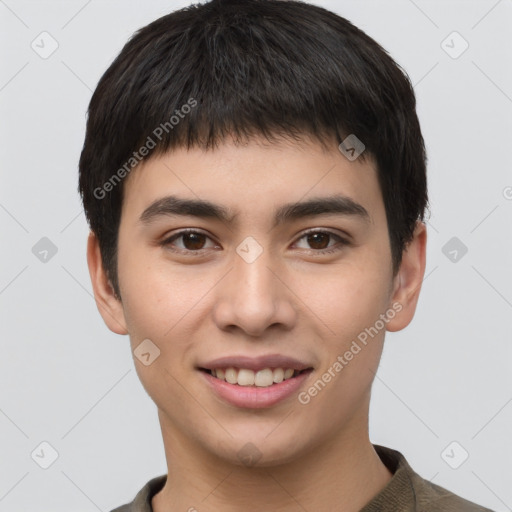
<point>247,262</point>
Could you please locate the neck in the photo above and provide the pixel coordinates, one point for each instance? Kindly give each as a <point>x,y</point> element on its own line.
<point>343,474</point>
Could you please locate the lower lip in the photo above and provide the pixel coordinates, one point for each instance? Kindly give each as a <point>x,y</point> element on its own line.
<point>253,397</point>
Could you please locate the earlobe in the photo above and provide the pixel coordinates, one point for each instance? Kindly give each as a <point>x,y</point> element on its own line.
<point>407,282</point>
<point>109,306</point>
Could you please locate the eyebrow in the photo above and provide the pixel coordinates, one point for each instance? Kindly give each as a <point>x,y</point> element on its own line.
<point>173,205</point>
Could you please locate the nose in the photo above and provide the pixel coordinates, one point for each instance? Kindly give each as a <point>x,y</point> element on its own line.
<point>254,297</point>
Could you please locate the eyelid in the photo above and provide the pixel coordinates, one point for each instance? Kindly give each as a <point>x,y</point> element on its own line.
<point>344,236</point>
<point>170,238</point>
<point>343,239</point>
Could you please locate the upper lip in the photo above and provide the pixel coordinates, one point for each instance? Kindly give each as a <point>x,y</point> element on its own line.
<point>256,363</point>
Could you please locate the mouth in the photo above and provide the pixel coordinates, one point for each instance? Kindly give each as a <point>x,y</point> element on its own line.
<point>245,388</point>
<point>255,382</point>
<point>246,377</point>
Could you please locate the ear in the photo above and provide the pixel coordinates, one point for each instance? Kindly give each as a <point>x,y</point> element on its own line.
<point>407,283</point>
<point>109,306</point>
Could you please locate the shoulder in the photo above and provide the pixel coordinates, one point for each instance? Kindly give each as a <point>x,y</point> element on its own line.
<point>408,491</point>
<point>434,498</point>
<point>142,501</point>
<point>122,508</point>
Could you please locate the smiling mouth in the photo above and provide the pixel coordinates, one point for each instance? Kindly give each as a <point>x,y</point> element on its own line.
<point>263,378</point>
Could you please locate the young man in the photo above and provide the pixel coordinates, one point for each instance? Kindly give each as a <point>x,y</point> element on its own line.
<point>254,178</point>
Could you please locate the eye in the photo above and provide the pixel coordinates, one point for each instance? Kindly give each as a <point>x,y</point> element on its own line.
<point>191,241</point>
<point>319,241</point>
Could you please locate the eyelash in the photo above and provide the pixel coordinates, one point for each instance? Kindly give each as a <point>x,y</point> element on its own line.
<point>167,242</point>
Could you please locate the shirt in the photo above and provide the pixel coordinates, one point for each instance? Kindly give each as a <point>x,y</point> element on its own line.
<point>405,492</point>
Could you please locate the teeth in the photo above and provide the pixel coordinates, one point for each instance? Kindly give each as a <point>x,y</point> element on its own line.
<point>245,377</point>
<point>288,373</point>
<point>278,375</point>
<point>231,376</point>
<point>263,378</point>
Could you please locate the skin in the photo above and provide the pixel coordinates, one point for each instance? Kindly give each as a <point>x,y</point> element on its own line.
<point>290,300</point>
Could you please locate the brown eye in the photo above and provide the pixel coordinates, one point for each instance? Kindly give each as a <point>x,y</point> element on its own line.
<point>321,242</point>
<point>188,241</point>
<point>193,241</point>
<point>318,240</point>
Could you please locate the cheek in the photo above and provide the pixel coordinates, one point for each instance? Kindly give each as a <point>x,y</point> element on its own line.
<point>349,296</point>
<point>158,307</point>
<point>349,303</point>
<point>147,297</point>
<point>162,302</point>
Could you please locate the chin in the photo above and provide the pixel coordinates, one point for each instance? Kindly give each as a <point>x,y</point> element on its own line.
<point>259,449</point>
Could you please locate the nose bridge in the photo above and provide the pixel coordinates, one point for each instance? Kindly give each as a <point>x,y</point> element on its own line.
<point>254,281</point>
<point>253,298</point>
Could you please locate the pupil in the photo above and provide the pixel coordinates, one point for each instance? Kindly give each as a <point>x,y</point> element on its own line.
<point>316,238</point>
<point>193,240</point>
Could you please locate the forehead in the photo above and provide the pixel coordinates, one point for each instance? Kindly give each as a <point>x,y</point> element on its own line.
<point>254,178</point>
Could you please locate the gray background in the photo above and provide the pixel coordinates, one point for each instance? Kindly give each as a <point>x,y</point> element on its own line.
<point>67,380</point>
